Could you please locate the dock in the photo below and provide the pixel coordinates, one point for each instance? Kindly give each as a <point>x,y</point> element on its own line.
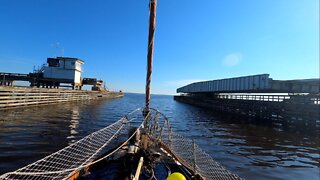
<point>257,96</point>
<point>18,97</point>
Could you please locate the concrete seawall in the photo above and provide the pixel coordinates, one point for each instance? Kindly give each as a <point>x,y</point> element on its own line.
<point>18,97</point>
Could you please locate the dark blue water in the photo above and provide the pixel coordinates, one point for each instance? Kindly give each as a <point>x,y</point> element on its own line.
<point>251,149</point>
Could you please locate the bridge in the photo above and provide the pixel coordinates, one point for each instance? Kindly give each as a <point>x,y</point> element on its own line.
<point>257,96</point>
<point>253,84</point>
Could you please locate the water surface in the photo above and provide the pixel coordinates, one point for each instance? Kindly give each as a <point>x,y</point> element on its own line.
<point>250,148</point>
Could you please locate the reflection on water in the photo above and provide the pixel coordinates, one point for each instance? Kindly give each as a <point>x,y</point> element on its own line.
<point>74,124</point>
<point>252,149</point>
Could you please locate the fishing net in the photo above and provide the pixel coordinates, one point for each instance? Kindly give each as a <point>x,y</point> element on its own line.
<point>199,161</point>
<point>103,143</point>
<point>186,151</point>
<point>81,154</point>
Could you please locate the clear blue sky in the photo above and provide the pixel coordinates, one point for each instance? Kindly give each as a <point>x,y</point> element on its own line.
<point>195,39</point>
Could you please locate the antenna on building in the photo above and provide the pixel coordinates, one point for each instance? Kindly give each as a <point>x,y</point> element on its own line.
<point>62,51</point>
<point>57,47</point>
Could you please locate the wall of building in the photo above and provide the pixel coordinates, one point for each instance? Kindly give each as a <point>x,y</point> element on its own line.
<point>78,66</point>
<point>77,77</point>
<point>58,73</point>
<point>67,69</point>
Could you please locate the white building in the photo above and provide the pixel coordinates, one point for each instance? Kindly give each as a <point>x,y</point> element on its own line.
<point>64,68</point>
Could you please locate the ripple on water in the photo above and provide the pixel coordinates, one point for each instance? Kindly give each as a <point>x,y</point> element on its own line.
<point>253,150</point>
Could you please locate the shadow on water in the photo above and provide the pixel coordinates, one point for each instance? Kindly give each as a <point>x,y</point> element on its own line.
<point>265,149</point>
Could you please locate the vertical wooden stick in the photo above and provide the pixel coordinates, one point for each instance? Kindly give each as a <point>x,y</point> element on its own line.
<point>152,26</point>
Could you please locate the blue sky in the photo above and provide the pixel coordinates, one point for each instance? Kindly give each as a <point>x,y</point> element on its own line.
<point>195,39</point>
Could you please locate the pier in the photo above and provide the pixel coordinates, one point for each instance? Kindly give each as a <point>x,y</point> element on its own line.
<point>21,97</point>
<point>257,96</point>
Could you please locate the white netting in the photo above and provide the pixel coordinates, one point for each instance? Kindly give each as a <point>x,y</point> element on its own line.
<point>101,144</point>
<point>79,155</point>
<point>201,162</point>
<point>187,152</point>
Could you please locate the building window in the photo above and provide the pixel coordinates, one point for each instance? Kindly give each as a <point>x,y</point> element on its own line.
<point>72,63</point>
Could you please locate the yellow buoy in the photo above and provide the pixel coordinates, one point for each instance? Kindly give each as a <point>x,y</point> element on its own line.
<point>176,176</point>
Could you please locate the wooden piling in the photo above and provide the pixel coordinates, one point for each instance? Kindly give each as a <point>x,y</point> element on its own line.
<point>260,106</point>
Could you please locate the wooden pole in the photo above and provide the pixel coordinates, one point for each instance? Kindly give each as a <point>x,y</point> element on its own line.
<point>152,27</point>
<point>4,80</point>
<point>136,177</point>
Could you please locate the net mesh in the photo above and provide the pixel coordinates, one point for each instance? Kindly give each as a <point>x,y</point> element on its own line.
<point>79,155</point>
<point>186,151</point>
<point>103,143</point>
